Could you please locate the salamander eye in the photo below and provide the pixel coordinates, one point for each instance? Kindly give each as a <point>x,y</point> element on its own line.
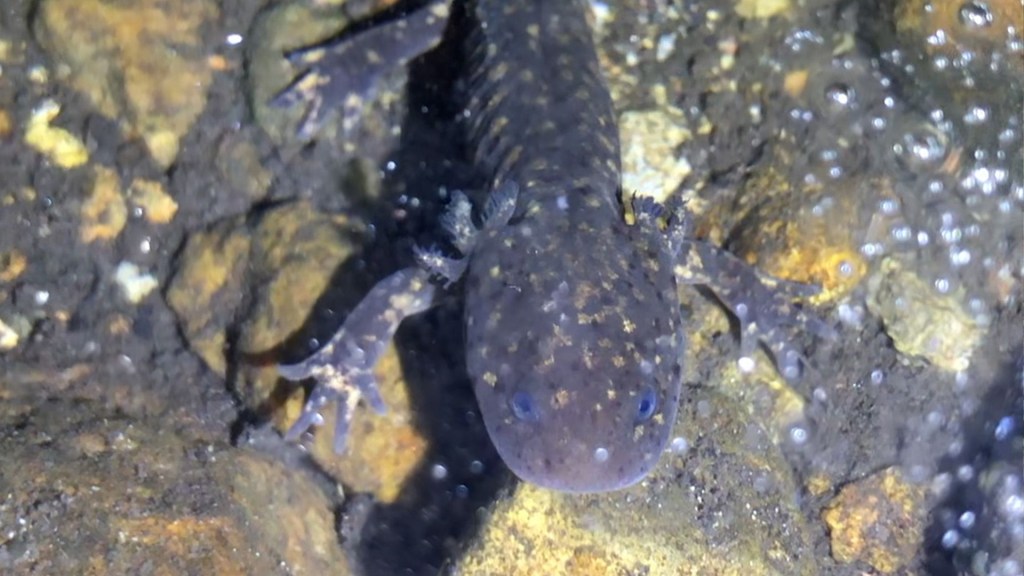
<point>523,407</point>
<point>647,405</point>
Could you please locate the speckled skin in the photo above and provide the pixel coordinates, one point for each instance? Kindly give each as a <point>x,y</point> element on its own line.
<point>574,337</point>
<point>569,311</point>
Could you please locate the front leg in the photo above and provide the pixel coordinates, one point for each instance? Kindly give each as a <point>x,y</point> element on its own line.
<point>458,223</point>
<point>761,303</point>
<point>343,368</point>
<point>345,72</point>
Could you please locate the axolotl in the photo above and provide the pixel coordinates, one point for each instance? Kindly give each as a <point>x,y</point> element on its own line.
<point>574,336</point>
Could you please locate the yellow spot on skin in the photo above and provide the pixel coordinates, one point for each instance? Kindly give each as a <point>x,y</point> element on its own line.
<point>533,30</point>
<point>612,394</point>
<point>513,156</point>
<point>618,361</point>
<point>560,399</point>
<point>490,378</point>
<point>499,71</point>
<point>495,271</point>
<point>561,337</point>
<point>497,126</point>
<point>493,319</point>
<point>628,326</point>
<point>604,343</point>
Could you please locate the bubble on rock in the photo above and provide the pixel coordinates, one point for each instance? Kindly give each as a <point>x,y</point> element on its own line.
<point>975,14</point>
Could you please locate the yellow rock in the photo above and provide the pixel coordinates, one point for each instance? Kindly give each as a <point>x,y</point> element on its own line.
<point>208,285</point>
<point>12,264</point>
<point>650,164</point>
<point>143,61</point>
<point>104,212</point>
<point>8,337</point>
<point>762,9</point>
<point>159,207</point>
<point>921,321</point>
<point>5,124</point>
<point>62,147</point>
<point>878,520</point>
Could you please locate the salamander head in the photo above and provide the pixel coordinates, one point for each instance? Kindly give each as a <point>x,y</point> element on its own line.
<point>576,365</point>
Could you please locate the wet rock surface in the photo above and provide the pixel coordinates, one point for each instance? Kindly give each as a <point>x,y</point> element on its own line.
<point>165,240</point>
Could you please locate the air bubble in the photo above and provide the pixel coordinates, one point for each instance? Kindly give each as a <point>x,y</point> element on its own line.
<point>950,539</point>
<point>840,97</point>
<point>950,234</point>
<point>1004,428</point>
<point>791,371</point>
<point>976,14</point>
<point>798,435</point>
<point>679,445</point>
<point>851,315</point>
<point>438,472</point>
<point>601,455</point>
<point>871,249</point>
<point>941,484</point>
<point>877,377</point>
<point>976,115</point>
<point>902,233</point>
<point>966,520</point>
<point>920,148</point>
<point>1013,506</point>
<point>746,364</point>
<point>938,38</point>
<point>889,206</point>
<point>965,473</point>
<point>959,257</point>
<point>955,447</point>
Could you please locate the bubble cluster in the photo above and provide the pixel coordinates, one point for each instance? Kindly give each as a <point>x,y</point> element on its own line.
<point>978,526</point>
